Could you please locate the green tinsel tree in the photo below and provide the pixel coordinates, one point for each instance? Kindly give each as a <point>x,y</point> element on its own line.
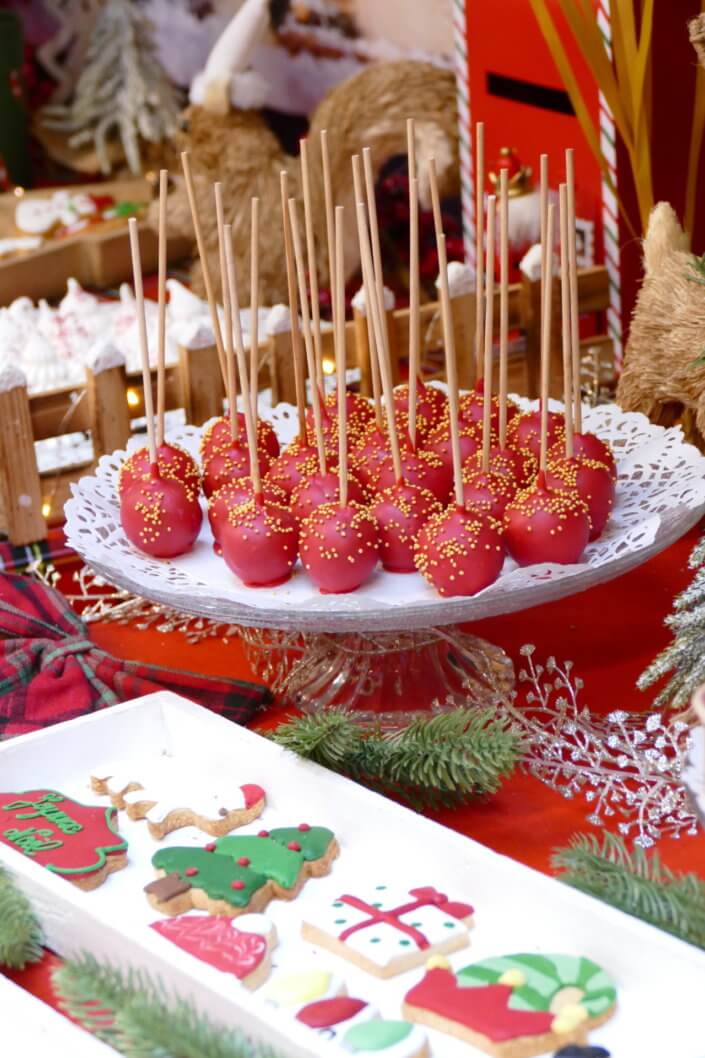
<point>635,882</point>
<point>20,933</point>
<point>439,760</point>
<point>685,656</point>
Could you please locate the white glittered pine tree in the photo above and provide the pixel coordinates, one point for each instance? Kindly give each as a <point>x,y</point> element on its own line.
<point>122,91</point>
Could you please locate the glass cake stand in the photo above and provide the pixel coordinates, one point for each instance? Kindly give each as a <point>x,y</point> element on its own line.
<point>395,649</point>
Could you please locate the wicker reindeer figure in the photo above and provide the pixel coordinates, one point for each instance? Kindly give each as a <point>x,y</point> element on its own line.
<point>664,372</point>
<point>230,141</point>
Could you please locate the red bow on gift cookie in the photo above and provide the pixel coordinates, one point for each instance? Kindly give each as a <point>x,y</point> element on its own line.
<point>50,670</point>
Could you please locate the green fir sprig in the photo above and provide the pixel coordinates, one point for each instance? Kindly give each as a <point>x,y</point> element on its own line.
<point>128,1011</point>
<point>635,882</point>
<point>442,760</point>
<point>685,656</point>
<point>20,932</point>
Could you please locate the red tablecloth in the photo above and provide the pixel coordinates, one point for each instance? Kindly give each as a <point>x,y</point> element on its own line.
<point>610,633</point>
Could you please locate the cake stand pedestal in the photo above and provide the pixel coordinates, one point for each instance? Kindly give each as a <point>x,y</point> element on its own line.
<point>384,677</point>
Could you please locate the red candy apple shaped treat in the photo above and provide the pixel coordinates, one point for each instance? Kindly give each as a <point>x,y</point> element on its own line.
<point>438,441</point>
<point>259,539</point>
<point>160,516</point>
<point>431,405</point>
<point>483,489</point>
<point>339,541</point>
<point>403,508</point>
<point>173,462</point>
<point>218,434</point>
<point>545,525</point>
<point>459,552</point>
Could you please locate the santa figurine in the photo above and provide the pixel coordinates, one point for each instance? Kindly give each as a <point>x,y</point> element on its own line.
<point>524,207</point>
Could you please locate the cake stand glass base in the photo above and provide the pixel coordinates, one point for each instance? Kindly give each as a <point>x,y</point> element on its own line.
<point>386,678</point>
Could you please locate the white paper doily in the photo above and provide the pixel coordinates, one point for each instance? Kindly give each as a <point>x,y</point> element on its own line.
<point>660,495</point>
<point>694,773</point>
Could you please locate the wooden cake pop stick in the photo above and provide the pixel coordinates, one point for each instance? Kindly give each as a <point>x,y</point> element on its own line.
<point>254,304</point>
<point>373,307</point>
<point>489,333</point>
<point>312,271</point>
<point>161,302</point>
<point>228,310</point>
<point>565,325</point>
<point>375,242</point>
<point>448,336</point>
<point>203,257</point>
<point>371,340</point>
<point>330,222</point>
<point>340,362</point>
<point>308,341</point>
<point>293,309</point>
<point>250,421</point>
<point>543,210</point>
<point>547,287</point>
<point>414,289</point>
<point>142,334</point>
<point>573,271</point>
<point>479,248</point>
<point>503,304</point>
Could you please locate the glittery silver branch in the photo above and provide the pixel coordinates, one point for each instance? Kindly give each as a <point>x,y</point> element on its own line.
<point>627,766</point>
<point>685,656</point>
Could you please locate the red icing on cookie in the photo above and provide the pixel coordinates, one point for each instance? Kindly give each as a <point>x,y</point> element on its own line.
<point>66,837</point>
<point>326,1012</point>
<point>252,794</point>
<point>216,941</point>
<point>190,872</point>
<point>484,1010</point>
<point>303,827</point>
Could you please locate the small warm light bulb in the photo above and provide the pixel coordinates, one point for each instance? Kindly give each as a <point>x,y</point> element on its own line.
<point>46,509</point>
<point>328,366</point>
<point>19,191</point>
<point>133,398</point>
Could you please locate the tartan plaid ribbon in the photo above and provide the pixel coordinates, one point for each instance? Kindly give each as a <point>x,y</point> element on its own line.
<point>51,671</point>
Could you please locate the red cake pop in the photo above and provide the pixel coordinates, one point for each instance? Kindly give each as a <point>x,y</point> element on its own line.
<point>401,512</point>
<point>460,552</point>
<point>488,491</point>
<point>260,543</point>
<point>422,468</point>
<point>521,467</point>
<point>319,489</point>
<point>431,405</point>
<point>544,525</point>
<point>218,436</point>
<point>296,463</point>
<point>339,547</point>
<point>173,461</point>
<point>524,431</point>
<point>234,495</point>
<point>161,516</point>
<point>591,481</point>
<point>438,441</point>
<point>590,446</point>
<point>358,409</point>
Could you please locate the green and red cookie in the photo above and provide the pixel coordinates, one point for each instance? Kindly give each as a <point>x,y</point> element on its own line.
<point>78,842</point>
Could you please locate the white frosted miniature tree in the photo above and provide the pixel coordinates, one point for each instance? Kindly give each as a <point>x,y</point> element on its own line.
<point>122,91</point>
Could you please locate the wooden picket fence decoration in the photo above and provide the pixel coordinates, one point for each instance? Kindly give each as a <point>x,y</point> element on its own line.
<point>108,401</point>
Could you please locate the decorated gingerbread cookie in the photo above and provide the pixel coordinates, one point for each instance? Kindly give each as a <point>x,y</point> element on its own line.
<point>333,1017</point>
<point>240,873</point>
<point>387,929</point>
<point>392,1039</point>
<point>79,842</point>
<point>514,1006</point>
<point>170,802</point>
<point>294,990</point>
<point>243,950</point>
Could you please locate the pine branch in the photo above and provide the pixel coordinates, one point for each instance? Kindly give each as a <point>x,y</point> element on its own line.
<point>132,1014</point>
<point>440,760</point>
<point>636,883</point>
<point>20,933</point>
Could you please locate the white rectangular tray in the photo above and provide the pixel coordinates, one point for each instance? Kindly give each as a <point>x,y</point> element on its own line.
<point>661,980</point>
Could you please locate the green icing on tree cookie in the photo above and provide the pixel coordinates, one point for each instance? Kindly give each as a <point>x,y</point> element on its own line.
<point>275,861</point>
<point>313,842</point>
<point>219,876</point>
<point>545,976</point>
<point>376,1035</point>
